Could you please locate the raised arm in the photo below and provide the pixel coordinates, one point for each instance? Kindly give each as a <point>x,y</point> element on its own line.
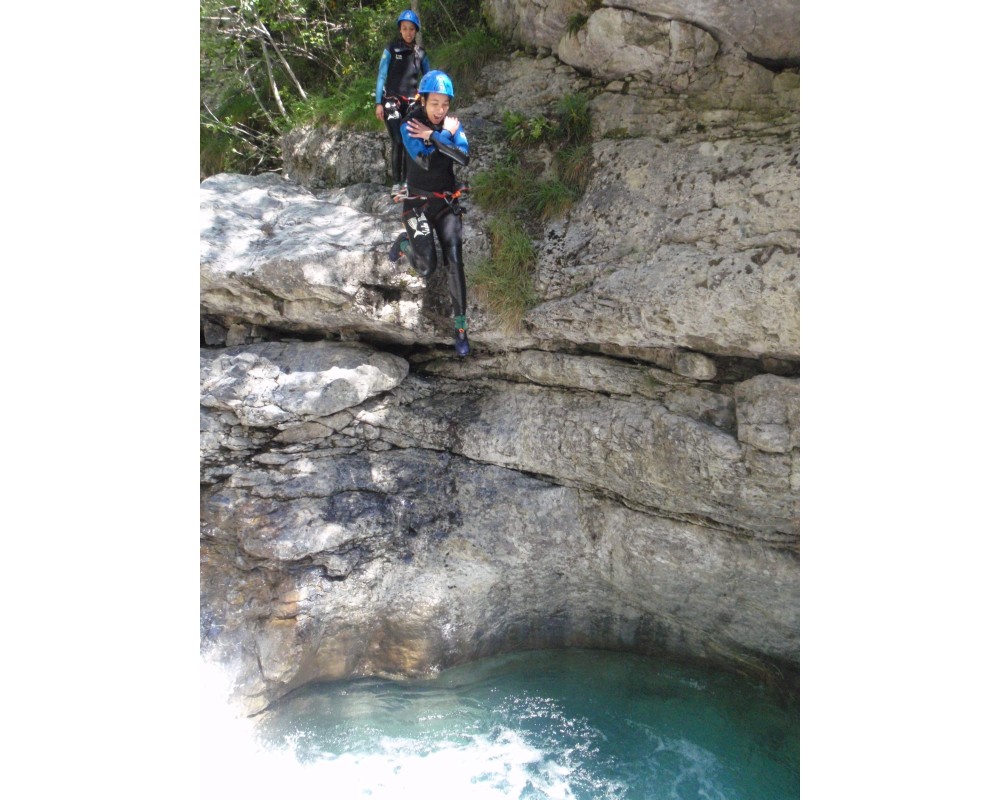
<point>421,141</point>
<point>454,145</point>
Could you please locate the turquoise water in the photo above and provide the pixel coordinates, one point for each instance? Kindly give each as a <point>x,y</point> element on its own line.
<point>553,724</point>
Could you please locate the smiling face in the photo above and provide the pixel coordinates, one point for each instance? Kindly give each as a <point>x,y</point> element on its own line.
<point>437,106</point>
<point>408,31</point>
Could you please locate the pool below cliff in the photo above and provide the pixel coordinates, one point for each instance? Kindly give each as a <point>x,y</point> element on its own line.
<point>550,724</point>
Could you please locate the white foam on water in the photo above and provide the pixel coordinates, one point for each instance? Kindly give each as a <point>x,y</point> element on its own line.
<point>556,756</point>
<point>234,763</point>
<point>480,768</point>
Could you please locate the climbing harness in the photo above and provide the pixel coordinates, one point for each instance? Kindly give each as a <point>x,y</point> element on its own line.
<point>450,198</point>
<point>396,106</point>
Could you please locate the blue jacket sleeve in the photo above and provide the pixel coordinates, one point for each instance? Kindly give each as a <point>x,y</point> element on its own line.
<point>419,151</point>
<point>455,146</point>
<point>425,65</point>
<point>383,73</point>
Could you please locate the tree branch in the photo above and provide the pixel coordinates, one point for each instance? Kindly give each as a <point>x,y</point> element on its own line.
<point>447,14</point>
<point>253,89</point>
<point>270,78</point>
<point>263,29</point>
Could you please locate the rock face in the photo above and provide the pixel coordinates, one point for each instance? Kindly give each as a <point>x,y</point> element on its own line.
<point>437,519</point>
<point>766,29</point>
<point>707,260</point>
<point>327,158</point>
<point>618,43</point>
<point>619,472</point>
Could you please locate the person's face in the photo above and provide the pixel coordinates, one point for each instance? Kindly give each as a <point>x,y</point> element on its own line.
<point>437,106</point>
<point>408,31</point>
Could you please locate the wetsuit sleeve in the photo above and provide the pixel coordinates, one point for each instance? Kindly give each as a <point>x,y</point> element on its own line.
<point>455,146</point>
<point>383,73</point>
<point>425,65</point>
<point>418,151</point>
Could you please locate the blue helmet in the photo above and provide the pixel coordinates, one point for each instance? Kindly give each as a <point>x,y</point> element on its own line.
<point>436,81</point>
<point>408,16</point>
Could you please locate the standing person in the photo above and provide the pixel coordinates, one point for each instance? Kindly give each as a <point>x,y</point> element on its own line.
<point>434,143</point>
<point>403,62</point>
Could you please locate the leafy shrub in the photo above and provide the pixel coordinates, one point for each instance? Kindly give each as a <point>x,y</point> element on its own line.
<point>512,188</point>
<point>235,138</point>
<point>571,124</point>
<point>520,129</point>
<point>303,60</point>
<point>349,106</point>
<point>464,58</point>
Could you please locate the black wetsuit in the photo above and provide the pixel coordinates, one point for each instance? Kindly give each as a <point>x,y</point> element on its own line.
<point>400,70</point>
<point>430,171</point>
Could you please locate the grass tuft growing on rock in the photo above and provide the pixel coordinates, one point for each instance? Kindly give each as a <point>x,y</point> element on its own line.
<point>573,166</point>
<point>577,22</point>
<point>548,199</point>
<point>524,200</point>
<point>573,119</point>
<point>504,281</point>
<point>501,188</point>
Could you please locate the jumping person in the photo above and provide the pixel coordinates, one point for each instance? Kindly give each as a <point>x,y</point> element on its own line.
<point>434,143</point>
<point>402,64</point>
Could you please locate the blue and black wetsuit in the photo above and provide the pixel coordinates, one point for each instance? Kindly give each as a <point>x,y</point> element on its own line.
<point>430,172</point>
<point>399,74</point>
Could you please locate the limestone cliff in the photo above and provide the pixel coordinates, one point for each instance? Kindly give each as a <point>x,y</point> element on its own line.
<point>621,471</point>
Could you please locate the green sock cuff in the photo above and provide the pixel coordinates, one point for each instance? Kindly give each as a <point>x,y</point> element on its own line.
<point>460,323</point>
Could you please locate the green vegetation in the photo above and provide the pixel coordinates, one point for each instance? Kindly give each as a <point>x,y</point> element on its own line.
<point>503,283</point>
<point>520,129</point>
<point>513,184</point>
<point>347,107</point>
<point>501,188</point>
<point>269,65</point>
<point>515,189</point>
<point>570,125</point>
<point>573,167</point>
<point>230,141</point>
<point>549,199</point>
<point>573,119</point>
<point>576,22</point>
<point>464,58</point>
